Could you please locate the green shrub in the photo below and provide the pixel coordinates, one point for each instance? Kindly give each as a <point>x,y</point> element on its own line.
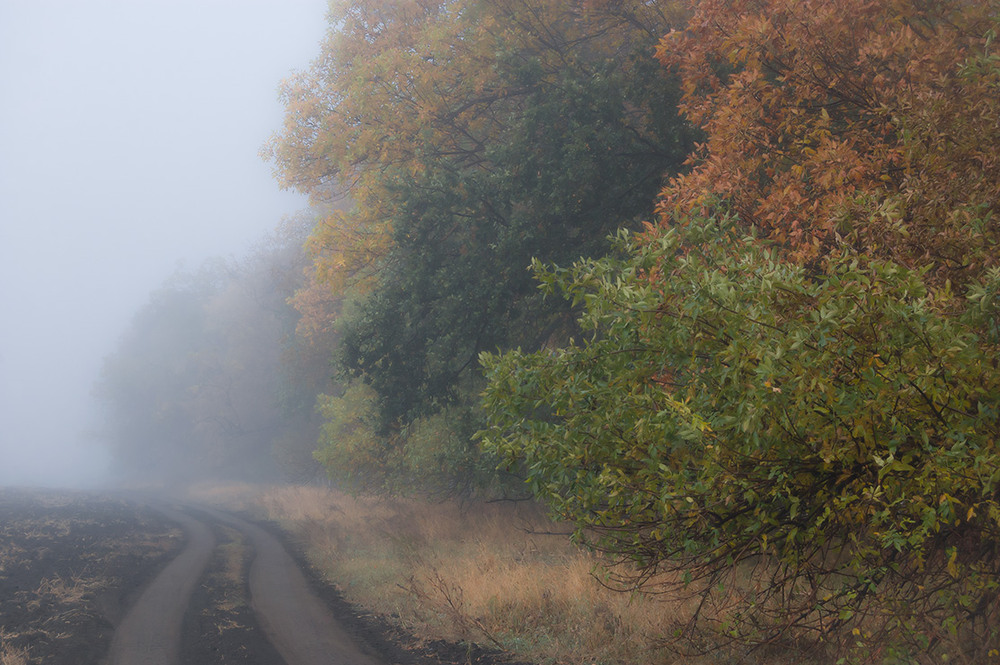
<point>815,451</point>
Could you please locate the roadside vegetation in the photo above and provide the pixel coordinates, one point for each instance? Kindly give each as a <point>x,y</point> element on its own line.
<point>713,281</point>
<point>501,574</point>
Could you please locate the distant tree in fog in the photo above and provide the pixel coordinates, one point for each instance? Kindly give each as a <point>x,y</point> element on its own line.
<point>208,380</point>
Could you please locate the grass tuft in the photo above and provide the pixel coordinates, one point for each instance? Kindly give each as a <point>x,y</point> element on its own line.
<point>11,654</point>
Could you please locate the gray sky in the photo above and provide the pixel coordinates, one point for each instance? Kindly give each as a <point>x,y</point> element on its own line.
<point>129,133</point>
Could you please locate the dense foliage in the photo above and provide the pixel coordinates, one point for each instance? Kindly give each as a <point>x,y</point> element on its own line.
<point>472,136</point>
<point>871,120</point>
<point>779,389</point>
<point>789,389</point>
<point>729,414</point>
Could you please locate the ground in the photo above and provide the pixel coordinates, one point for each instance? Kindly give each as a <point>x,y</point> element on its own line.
<point>73,563</point>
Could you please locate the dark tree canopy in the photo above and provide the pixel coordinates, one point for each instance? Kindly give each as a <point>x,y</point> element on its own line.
<point>472,137</point>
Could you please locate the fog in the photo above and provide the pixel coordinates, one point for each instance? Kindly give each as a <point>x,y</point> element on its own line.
<point>129,139</point>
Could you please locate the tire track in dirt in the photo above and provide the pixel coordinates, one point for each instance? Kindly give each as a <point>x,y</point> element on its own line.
<point>294,619</point>
<point>150,632</point>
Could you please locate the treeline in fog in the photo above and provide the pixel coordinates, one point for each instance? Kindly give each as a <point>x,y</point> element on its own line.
<point>714,279</point>
<point>210,381</point>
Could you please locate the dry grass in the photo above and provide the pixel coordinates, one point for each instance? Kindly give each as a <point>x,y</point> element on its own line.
<point>10,654</point>
<point>499,573</point>
<point>13,655</point>
<point>232,554</point>
<point>59,592</point>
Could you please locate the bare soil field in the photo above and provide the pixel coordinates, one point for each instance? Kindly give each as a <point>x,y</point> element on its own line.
<point>78,570</point>
<point>70,564</point>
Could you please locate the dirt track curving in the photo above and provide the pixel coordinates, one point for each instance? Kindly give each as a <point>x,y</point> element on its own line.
<point>103,579</point>
<point>296,622</point>
<point>150,633</point>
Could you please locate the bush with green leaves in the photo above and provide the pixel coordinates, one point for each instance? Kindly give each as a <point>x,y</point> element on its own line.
<point>432,455</point>
<point>812,453</point>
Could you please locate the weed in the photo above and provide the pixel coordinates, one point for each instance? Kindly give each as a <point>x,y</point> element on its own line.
<point>11,654</point>
<point>59,591</point>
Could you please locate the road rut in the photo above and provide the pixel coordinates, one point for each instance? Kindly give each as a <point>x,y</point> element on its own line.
<point>296,622</point>
<point>150,633</point>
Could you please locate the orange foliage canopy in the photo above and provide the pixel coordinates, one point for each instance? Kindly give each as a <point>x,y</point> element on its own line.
<point>822,113</point>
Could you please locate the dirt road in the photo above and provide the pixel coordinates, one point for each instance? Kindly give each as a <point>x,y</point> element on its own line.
<point>292,618</point>
<point>150,633</point>
<point>106,579</point>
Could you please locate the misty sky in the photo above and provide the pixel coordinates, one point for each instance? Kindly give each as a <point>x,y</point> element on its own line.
<point>129,138</point>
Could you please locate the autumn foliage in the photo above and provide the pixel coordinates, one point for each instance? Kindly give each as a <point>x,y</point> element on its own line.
<point>469,136</point>
<point>406,88</point>
<point>717,280</point>
<point>780,396</point>
<point>820,114</point>
<point>788,396</point>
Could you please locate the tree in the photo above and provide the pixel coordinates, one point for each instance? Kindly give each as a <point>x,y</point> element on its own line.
<point>208,380</point>
<point>788,392</point>
<point>472,136</point>
<point>812,109</point>
<point>145,384</point>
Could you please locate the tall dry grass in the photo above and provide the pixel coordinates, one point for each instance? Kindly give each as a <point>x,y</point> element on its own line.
<point>13,655</point>
<point>488,573</point>
<point>10,654</point>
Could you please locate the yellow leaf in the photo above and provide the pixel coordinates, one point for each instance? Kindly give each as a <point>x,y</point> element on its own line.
<point>952,565</point>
